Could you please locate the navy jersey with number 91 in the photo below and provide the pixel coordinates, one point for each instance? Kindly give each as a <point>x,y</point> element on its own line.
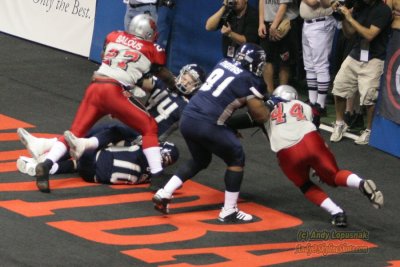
<point>226,89</point>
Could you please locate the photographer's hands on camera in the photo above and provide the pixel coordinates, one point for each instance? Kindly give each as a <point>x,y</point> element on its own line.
<point>226,29</point>
<point>228,13</point>
<point>342,9</point>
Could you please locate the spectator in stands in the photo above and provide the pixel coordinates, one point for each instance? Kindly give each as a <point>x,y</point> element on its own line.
<point>363,67</point>
<point>282,52</point>
<point>136,7</point>
<point>237,21</point>
<point>395,6</point>
<point>342,46</point>
<point>151,7</point>
<point>317,37</point>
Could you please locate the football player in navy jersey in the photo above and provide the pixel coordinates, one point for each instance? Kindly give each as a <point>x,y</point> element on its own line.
<point>110,165</point>
<point>231,85</point>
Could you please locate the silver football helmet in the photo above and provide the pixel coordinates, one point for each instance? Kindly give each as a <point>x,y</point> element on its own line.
<point>144,27</point>
<point>286,92</point>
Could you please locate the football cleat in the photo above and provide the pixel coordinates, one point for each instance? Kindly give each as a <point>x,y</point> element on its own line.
<point>339,219</point>
<point>234,215</point>
<point>157,181</point>
<point>161,201</point>
<point>76,145</point>
<point>368,188</point>
<point>42,177</point>
<point>36,146</point>
<point>27,165</point>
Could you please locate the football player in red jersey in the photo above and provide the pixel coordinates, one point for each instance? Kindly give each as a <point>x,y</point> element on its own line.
<point>126,58</point>
<point>293,136</point>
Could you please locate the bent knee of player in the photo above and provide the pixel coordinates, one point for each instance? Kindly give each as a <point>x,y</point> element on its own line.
<point>237,158</point>
<point>149,127</point>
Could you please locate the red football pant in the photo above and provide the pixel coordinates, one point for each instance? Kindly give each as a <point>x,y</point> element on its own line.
<point>107,98</point>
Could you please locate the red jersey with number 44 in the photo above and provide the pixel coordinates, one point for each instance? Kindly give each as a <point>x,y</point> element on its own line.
<point>126,58</point>
<point>288,123</point>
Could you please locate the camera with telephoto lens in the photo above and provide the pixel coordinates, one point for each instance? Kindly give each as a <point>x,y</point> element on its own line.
<point>166,3</point>
<point>229,12</point>
<point>337,14</point>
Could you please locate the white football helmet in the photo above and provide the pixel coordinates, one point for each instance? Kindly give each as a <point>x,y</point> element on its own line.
<point>286,92</point>
<point>144,27</point>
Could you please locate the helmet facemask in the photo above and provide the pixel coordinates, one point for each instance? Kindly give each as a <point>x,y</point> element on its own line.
<point>189,79</point>
<point>169,153</point>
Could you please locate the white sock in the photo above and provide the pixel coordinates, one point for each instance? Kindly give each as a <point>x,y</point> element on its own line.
<point>173,184</point>
<point>339,122</point>
<point>312,96</point>
<point>321,100</point>
<point>56,152</point>
<point>54,168</point>
<point>153,156</point>
<point>92,143</point>
<point>353,181</point>
<point>330,206</point>
<point>231,199</point>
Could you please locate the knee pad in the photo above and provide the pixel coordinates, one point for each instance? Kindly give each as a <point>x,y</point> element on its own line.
<point>236,158</point>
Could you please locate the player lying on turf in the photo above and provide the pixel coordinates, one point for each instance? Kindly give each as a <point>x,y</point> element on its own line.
<point>109,165</point>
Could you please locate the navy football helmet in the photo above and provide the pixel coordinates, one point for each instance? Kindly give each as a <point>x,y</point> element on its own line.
<point>169,153</point>
<point>251,57</point>
<point>198,75</point>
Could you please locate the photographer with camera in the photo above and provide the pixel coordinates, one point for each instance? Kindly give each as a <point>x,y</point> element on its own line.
<point>136,7</point>
<point>237,21</point>
<point>281,46</point>
<point>362,69</point>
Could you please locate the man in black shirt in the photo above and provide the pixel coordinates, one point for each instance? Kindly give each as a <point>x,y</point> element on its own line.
<point>238,23</point>
<point>363,67</point>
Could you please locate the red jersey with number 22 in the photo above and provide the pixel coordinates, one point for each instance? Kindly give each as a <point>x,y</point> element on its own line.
<point>126,58</point>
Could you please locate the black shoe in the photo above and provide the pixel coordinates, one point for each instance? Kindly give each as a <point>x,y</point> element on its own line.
<point>323,112</point>
<point>339,219</point>
<point>358,122</point>
<point>157,181</point>
<point>161,201</point>
<point>42,177</point>
<point>348,118</point>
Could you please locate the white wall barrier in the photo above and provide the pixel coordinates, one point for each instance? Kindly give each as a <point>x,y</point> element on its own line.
<point>63,24</point>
